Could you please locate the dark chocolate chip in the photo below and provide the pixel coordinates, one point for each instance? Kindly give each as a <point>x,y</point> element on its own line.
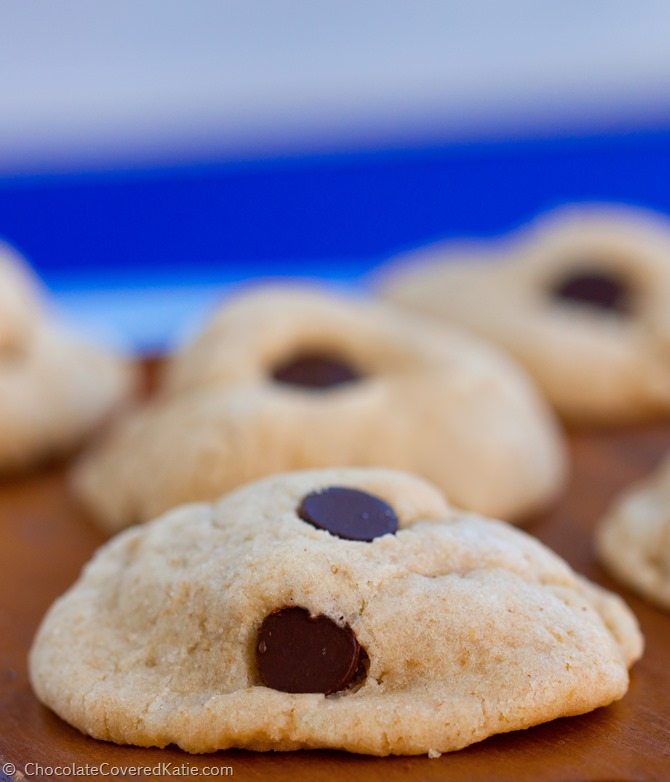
<point>595,288</point>
<point>296,652</point>
<point>314,370</point>
<point>348,513</point>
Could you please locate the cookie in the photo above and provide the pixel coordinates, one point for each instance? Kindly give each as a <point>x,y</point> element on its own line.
<point>54,389</point>
<point>288,378</point>
<point>580,298</point>
<point>346,609</point>
<point>19,301</point>
<point>633,540</point>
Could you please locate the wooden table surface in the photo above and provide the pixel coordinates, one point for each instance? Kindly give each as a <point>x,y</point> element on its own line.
<point>46,539</point>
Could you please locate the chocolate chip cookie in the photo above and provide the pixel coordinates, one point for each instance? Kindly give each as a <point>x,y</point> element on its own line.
<point>580,297</point>
<point>291,378</point>
<point>348,609</point>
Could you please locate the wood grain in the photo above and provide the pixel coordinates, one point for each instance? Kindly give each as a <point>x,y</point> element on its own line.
<point>46,539</point>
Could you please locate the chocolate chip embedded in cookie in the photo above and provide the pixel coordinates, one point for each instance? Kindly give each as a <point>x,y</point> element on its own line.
<point>296,652</point>
<point>580,297</point>
<point>289,378</point>
<point>595,289</point>
<point>240,625</point>
<point>348,513</point>
<point>315,371</point>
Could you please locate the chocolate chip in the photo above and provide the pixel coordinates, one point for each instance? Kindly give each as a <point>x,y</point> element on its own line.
<point>314,370</point>
<point>348,513</point>
<point>296,652</point>
<point>595,288</point>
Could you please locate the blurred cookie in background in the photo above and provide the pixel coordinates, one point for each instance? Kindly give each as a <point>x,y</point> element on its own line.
<point>581,297</point>
<point>287,378</point>
<point>633,540</point>
<point>54,388</point>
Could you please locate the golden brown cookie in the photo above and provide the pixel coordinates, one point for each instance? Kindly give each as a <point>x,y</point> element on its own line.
<point>347,609</point>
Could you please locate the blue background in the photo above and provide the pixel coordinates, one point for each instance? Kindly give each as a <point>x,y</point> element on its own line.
<point>331,215</point>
